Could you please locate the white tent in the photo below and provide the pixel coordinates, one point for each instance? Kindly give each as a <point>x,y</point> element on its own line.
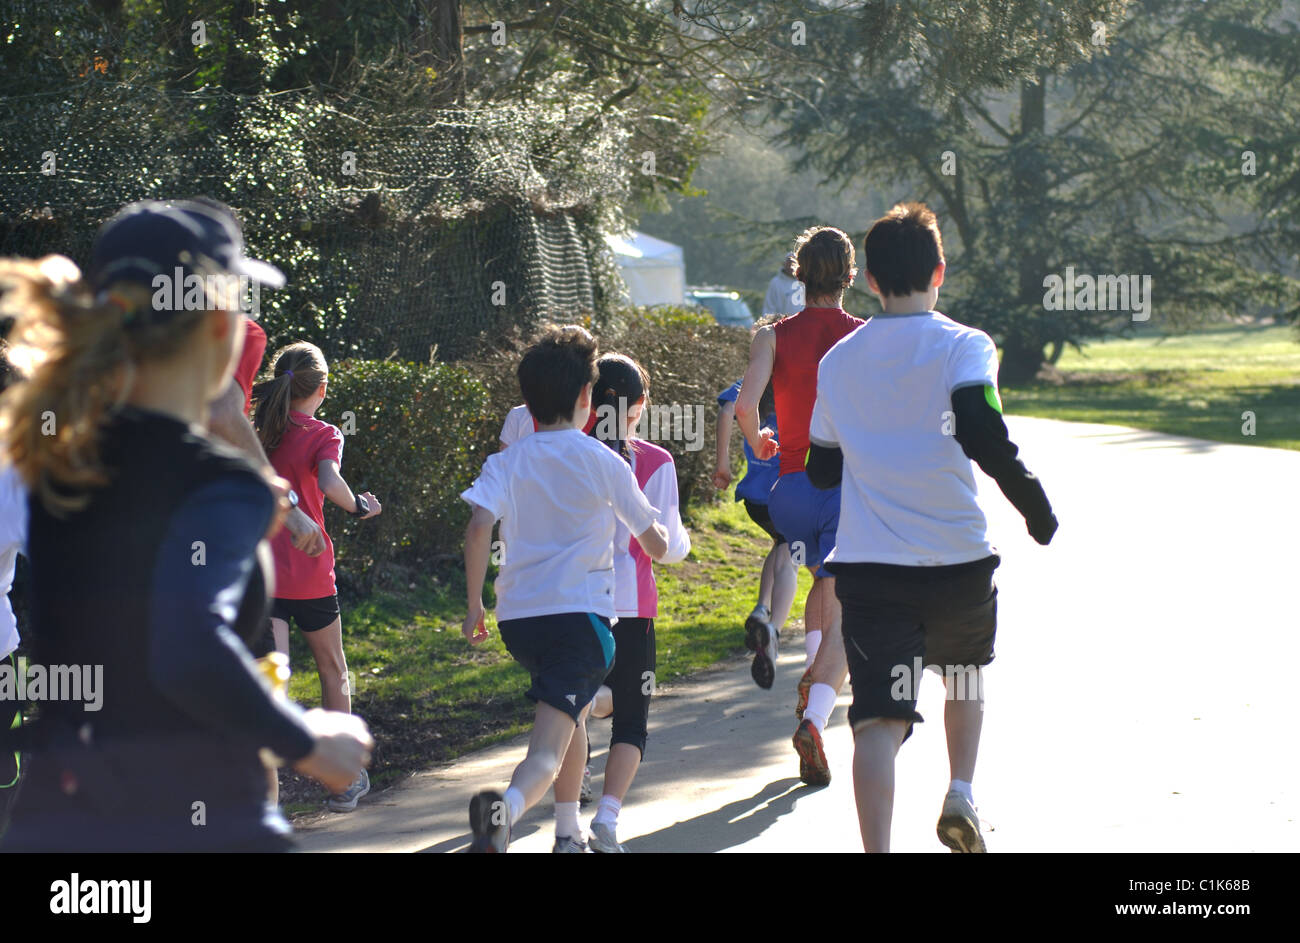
<point>654,270</point>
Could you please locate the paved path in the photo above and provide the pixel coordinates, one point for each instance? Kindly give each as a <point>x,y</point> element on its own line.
<point>1142,698</point>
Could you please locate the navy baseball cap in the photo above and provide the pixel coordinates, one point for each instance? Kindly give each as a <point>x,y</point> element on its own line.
<point>151,238</point>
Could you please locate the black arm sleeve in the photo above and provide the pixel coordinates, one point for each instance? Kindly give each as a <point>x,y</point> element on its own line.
<point>982,435</point>
<point>195,659</point>
<point>825,466</point>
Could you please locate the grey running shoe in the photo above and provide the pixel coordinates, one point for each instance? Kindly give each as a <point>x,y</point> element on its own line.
<point>763,670</point>
<point>754,626</point>
<point>604,841</point>
<point>959,825</point>
<point>346,801</point>
<point>564,845</point>
<point>584,797</point>
<point>489,820</point>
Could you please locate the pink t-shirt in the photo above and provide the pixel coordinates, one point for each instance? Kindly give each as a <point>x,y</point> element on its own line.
<point>306,443</point>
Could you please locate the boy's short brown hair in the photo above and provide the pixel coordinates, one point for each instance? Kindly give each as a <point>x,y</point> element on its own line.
<point>903,248</point>
<point>824,260</point>
<point>554,369</point>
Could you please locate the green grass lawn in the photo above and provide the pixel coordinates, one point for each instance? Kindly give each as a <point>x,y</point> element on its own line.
<point>428,696</point>
<point>1196,384</point>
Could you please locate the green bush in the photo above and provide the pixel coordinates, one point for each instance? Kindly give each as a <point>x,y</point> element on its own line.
<point>690,359</point>
<point>417,434</point>
<point>412,437</point>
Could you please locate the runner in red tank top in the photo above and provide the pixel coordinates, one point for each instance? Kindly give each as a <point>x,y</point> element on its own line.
<point>788,353</point>
<point>801,341</point>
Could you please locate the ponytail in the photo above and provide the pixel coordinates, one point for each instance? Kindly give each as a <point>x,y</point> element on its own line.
<point>73,351</point>
<point>298,372</point>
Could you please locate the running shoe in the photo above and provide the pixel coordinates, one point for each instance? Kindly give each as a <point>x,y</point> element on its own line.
<point>564,845</point>
<point>959,825</point>
<point>801,693</point>
<point>489,820</point>
<point>584,796</point>
<point>754,627</point>
<point>602,840</point>
<point>346,801</point>
<point>763,670</point>
<point>813,768</point>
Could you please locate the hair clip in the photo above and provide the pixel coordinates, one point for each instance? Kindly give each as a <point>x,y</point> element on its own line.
<point>119,301</point>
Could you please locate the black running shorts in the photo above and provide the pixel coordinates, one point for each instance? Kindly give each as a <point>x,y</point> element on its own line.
<point>900,619</point>
<point>568,656</point>
<point>311,615</point>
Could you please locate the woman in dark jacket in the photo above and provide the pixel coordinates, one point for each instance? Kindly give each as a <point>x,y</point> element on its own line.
<point>148,555</point>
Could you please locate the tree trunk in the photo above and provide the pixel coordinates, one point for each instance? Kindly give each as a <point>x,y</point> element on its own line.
<point>446,48</point>
<point>1022,348</point>
<point>1022,358</point>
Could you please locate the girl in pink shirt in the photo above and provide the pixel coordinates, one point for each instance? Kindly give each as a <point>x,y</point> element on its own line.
<point>307,452</point>
<point>617,402</point>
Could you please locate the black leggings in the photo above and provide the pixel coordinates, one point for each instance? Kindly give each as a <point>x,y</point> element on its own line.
<point>632,680</point>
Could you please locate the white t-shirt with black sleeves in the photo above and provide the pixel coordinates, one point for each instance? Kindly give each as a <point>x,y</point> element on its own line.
<point>558,495</point>
<point>884,398</point>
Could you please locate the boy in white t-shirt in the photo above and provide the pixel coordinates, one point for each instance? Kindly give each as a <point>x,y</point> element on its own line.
<point>558,494</point>
<point>904,405</point>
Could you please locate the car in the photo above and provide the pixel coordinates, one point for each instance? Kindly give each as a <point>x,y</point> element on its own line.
<point>726,306</point>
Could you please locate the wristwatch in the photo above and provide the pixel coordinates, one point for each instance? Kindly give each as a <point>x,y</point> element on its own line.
<point>293,498</point>
<point>363,506</point>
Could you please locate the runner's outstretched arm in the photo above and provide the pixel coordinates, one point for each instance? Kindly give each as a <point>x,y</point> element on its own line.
<point>762,355</point>
<point>982,435</point>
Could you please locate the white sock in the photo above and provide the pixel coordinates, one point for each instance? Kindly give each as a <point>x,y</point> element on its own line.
<point>960,786</point>
<point>566,821</point>
<point>812,640</point>
<point>607,812</point>
<point>515,799</point>
<point>821,701</point>
<point>762,612</point>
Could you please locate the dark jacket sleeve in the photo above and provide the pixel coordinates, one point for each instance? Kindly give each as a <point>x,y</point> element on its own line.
<point>982,435</point>
<point>195,658</point>
<point>825,466</point>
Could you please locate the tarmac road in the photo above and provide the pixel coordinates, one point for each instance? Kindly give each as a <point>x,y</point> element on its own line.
<point>1142,698</point>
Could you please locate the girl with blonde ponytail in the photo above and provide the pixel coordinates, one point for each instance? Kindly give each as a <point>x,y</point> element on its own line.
<point>147,563</point>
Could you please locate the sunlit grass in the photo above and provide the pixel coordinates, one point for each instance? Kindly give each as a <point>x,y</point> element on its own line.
<point>1196,385</point>
<point>429,696</point>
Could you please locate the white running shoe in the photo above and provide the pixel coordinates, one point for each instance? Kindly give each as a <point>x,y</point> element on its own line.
<point>564,845</point>
<point>602,840</point>
<point>959,825</point>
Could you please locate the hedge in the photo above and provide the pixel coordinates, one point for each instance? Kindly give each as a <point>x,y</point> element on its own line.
<point>417,434</point>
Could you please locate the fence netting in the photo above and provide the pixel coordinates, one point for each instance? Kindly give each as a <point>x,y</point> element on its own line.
<point>400,230</point>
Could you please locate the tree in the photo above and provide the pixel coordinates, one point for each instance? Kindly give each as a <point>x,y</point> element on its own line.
<point>1102,137</point>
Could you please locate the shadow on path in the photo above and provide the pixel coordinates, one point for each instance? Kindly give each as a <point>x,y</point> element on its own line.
<point>733,824</point>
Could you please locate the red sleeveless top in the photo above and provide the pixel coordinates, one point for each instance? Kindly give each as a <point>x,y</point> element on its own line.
<point>801,341</point>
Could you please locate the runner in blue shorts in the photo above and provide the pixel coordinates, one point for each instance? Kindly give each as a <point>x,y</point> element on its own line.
<point>779,580</point>
<point>787,353</point>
